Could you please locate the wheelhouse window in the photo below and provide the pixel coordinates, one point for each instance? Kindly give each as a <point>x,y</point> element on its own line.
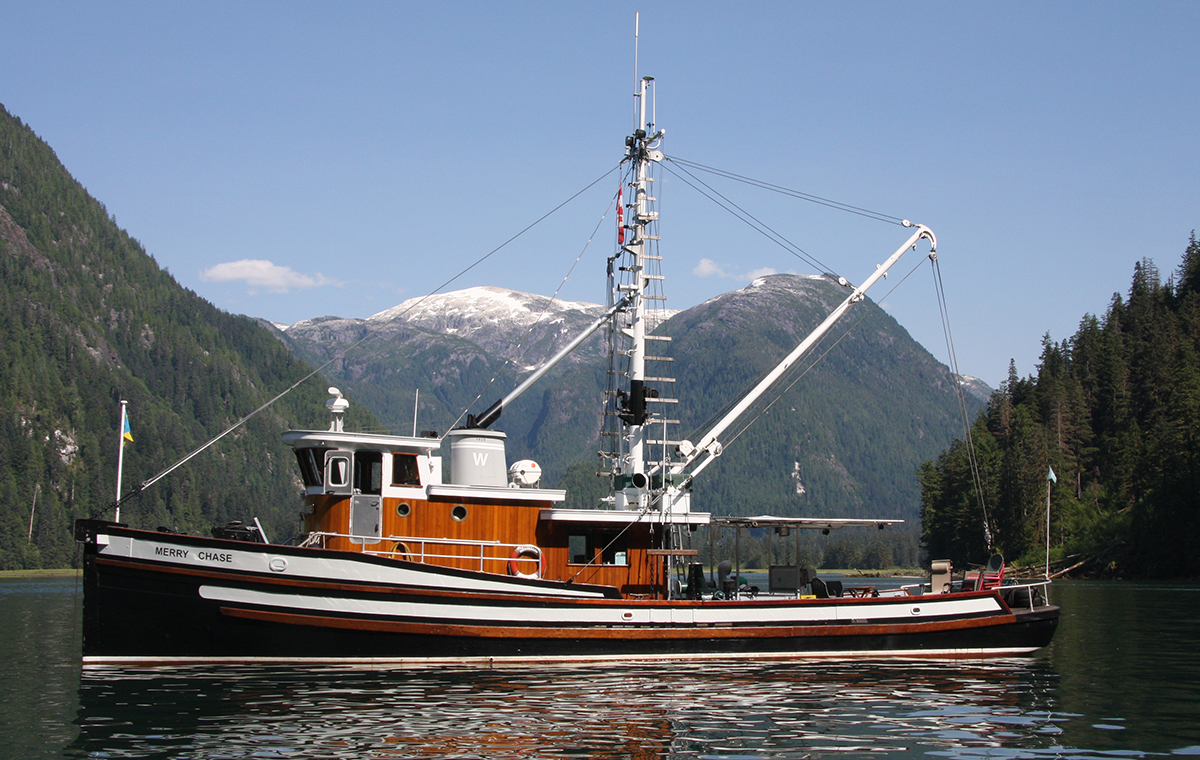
<point>614,549</point>
<point>337,472</point>
<point>404,470</point>
<point>577,548</point>
<point>311,461</point>
<point>368,472</point>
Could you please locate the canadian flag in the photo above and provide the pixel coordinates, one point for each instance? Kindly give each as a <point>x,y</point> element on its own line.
<point>621,216</point>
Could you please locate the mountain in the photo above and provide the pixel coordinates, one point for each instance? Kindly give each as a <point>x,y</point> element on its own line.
<point>447,352</point>
<point>90,319</point>
<point>845,440</point>
<point>500,321</point>
<point>976,388</point>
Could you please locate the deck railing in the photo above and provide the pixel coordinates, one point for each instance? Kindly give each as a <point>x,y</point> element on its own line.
<point>423,549</point>
<point>1043,585</point>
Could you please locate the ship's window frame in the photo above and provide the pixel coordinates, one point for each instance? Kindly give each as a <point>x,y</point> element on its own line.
<point>577,549</point>
<point>403,509</point>
<point>405,471</point>
<point>458,513</point>
<point>614,546</point>
<point>337,471</point>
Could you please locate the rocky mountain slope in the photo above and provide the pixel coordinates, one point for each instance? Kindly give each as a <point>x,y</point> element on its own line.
<point>846,439</point>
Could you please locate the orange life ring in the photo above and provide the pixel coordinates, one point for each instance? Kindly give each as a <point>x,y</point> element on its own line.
<point>525,552</point>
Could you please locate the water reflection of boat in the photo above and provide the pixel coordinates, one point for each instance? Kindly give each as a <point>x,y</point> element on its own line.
<point>401,564</point>
<point>647,710</point>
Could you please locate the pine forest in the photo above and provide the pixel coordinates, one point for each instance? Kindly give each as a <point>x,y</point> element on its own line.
<point>1104,439</point>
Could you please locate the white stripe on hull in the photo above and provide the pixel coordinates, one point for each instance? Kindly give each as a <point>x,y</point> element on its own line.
<point>628,615</point>
<point>318,568</point>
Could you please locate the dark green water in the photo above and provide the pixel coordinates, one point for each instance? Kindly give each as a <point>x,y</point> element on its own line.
<point>1122,679</point>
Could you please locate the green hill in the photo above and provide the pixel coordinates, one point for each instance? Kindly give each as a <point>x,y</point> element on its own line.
<point>89,319</point>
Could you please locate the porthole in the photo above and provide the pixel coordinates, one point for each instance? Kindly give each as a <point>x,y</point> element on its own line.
<point>403,509</point>
<point>459,513</point>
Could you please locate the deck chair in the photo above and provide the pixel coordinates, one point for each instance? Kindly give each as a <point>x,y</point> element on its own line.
<point>941,576</point>
<point>823,590</point>
<point>993,574</point>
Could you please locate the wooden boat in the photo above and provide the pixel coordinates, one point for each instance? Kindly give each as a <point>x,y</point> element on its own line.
<point>407,559</point>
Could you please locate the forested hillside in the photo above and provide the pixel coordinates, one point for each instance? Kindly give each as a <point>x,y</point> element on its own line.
<point>88,318</point>
<point>1115,412</point>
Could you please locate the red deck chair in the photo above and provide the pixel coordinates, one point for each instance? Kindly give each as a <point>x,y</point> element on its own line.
<point>993,574</point>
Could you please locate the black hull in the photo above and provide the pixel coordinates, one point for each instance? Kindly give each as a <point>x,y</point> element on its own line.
<point>153,613</point>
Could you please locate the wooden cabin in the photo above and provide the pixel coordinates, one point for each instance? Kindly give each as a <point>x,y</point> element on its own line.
<point>387,495</point>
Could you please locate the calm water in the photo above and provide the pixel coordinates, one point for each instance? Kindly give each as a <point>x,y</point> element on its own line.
<point>1122,679</point>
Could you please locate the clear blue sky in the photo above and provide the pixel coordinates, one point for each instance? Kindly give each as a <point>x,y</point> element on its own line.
<point>368,151</point>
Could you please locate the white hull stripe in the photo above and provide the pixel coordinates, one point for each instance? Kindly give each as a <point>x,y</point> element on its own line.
<point>321,568</point>
<point>612,615</point>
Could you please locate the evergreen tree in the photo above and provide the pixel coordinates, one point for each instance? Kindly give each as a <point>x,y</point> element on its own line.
<point>1115,411</point>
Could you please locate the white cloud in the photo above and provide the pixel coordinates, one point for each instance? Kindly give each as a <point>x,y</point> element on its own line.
<point>258,273</point>
<point>710,268</point>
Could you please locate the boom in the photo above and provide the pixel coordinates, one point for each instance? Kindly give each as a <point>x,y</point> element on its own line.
<point>697,456</point>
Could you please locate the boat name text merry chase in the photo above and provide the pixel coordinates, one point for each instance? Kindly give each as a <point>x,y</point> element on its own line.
<point>170,551</point>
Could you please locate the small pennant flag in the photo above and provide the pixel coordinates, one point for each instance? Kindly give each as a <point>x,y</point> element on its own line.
<point>128,434</point>
<point>1052,477</point>
<point>620,216</point>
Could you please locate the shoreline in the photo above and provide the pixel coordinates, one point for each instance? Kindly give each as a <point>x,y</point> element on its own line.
<point>33,573</point>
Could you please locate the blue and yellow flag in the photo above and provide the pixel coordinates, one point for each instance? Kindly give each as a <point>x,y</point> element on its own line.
<point>127,433</point>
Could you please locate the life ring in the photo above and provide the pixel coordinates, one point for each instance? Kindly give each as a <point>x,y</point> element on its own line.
<point>525,552</point>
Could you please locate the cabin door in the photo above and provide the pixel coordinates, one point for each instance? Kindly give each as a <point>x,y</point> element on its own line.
<point>366,501</point>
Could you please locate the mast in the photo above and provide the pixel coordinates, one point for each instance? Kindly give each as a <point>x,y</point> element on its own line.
<point>633,273</point>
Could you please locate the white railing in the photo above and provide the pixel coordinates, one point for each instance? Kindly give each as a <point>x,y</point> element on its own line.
<point>922,589</point>
<point>1044,585</point>
<point>418,549</point>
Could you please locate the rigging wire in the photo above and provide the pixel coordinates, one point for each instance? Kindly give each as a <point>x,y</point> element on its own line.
<point>748,218</point>
<point>766,231</point>
<point>516,352</point>
<point>876,215</point>
<point>151,481</point>
<point>977,479</point>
